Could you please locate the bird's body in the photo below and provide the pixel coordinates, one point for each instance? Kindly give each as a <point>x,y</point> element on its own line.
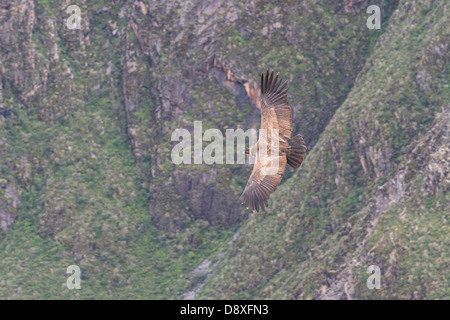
<point>272,156</point>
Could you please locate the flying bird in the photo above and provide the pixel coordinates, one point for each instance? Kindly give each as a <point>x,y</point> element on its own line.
<point>276,115</point>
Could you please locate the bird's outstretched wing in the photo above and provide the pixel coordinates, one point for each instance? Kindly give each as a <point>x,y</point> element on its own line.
<point>259,186</point>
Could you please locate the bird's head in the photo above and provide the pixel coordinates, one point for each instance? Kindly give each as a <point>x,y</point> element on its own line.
<point>247,151</point>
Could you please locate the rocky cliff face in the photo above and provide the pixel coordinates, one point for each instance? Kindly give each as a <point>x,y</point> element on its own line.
<point>86,118</point>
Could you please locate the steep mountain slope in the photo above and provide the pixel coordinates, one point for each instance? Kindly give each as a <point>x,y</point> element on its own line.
<point>86,118</point>
<point>373,191</point>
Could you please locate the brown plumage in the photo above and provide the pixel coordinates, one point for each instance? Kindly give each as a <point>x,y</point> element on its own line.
<point>275,114</point>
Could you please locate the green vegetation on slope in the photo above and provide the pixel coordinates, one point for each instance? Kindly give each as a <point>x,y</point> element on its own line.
<point>85,124</point>
<point>349,206</point>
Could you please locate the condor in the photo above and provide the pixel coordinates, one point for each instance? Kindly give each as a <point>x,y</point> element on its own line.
<point>276,115</point>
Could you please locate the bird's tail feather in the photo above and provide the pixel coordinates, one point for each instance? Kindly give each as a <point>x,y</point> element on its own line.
<point>297,151</point>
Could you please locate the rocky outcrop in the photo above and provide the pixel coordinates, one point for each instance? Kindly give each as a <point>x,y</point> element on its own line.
<point>9,204</point>
<point>426,165</point>
<point>226,78</point>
